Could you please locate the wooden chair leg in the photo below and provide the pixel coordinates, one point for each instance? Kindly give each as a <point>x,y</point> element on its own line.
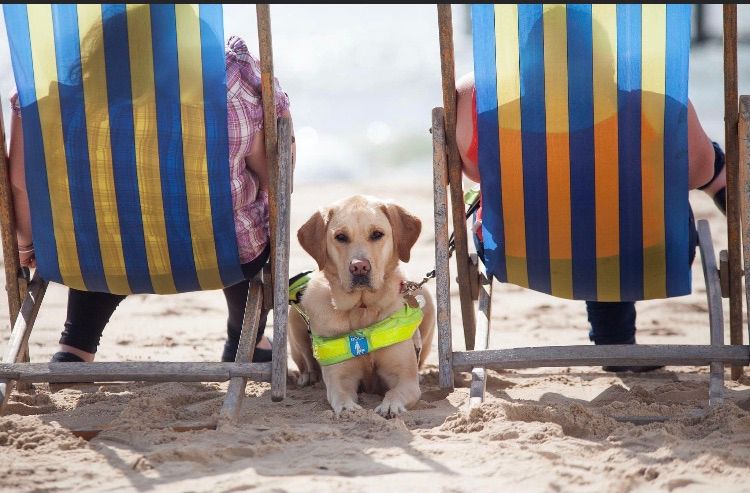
<point>744,138</point>
<point>278,142</point>
<point>15,284</point>
<point>715,312</point>
<point>442,267</point>
<point>484,318</point>
<point>19,337</point>
<point>448,70</point>
<point>12,266</point>
<point>230,410</point>
<point>23,286</point>
<point>281,262</point>
<point>731,149</point>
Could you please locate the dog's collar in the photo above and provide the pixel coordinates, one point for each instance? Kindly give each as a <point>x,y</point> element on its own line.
<point>398,327</point>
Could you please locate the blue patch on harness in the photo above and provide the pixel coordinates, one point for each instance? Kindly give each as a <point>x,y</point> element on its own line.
<point>358,345</point>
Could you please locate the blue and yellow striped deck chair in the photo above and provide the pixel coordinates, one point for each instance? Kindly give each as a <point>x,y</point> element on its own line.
<point>124,113</point>
<point>583,157</point>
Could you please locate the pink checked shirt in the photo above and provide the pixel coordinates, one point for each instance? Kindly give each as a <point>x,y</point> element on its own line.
<point>245,121</point>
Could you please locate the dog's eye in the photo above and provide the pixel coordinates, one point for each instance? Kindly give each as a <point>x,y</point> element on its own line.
<point>342,238</point>
<point>376,235</point>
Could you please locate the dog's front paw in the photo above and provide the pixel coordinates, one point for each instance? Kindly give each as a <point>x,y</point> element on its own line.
<point>346,405</point>
<point>307,378</point>
<point>390,408</point>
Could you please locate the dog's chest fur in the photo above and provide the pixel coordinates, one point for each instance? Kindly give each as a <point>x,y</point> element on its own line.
<point>334,313</point>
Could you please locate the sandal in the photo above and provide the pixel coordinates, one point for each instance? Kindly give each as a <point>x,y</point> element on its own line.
<point>65,357</point>
<point>260,355</point>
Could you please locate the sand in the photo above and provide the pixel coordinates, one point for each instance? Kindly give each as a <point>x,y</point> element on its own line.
<point>539,430</point>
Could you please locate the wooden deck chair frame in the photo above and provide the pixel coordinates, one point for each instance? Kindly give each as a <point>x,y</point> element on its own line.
<point>268,290</point>
<point>475,285</point>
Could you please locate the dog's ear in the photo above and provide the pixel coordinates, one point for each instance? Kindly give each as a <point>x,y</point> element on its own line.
<point>312,236</point>
<point>406,228</point>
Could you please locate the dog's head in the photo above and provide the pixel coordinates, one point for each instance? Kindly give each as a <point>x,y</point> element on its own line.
<point>360,240</point>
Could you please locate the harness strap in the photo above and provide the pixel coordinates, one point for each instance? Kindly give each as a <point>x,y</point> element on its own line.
<point>400,326</point>
<point>397,328</point>
<point>297,285</point>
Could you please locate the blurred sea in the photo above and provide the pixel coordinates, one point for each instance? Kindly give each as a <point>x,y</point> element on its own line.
<point>363,79</point>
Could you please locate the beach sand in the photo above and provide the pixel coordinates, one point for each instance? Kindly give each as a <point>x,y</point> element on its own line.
<point>539,430</point>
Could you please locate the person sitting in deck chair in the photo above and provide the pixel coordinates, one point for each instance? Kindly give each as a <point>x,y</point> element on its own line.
<point>88,312</point>
<point>611,322</point>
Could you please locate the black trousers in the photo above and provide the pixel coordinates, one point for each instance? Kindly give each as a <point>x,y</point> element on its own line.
<point>89,312</point>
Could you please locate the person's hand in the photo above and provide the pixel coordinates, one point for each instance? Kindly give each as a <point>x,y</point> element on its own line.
<point>26,256</point>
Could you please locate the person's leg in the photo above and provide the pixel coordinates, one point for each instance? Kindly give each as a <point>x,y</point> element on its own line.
<point>611,322</point>
<point>236,297</point>
<point>706,170</point>
<point>88,314</point>
<point>700,152</point>
<point>614,323</point>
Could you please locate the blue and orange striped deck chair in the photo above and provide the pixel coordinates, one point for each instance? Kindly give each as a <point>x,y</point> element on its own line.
<point>582,147</point>
<point>124,114</point>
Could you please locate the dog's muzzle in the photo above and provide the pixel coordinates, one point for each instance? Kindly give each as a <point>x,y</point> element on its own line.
<point>360,281</point>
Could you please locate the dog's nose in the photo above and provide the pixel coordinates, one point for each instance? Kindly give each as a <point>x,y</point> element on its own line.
<point>359,267</point>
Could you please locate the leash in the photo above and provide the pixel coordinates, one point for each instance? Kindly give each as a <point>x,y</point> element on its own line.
<point>409,287</point>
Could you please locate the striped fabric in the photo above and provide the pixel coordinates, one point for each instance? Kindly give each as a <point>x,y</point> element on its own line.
<point>124,112</point>
<point>582,126</point>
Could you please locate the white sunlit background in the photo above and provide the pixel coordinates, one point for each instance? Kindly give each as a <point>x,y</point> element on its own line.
<point>363,79</point>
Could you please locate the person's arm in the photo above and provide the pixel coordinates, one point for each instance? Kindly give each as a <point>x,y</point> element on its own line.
<point>465,127</point>
<point>18,188</point>
<point>256,159</point>
<point>466,136</point>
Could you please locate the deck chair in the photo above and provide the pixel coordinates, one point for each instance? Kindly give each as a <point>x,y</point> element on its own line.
<point>582,149</point>
<point>124,117</point>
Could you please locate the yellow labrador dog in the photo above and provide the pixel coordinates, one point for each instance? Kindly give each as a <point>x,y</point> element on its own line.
<point>358,243</point>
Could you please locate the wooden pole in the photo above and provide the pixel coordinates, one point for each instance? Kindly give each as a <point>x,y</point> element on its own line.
<point>744,156</point>
<point>617,354</point>
<point>19,336</point>
<point>263,12</point>
<point>715,311</point>
<point>445,30</point>
<point>230,410</point>
<point>442,256</point>
<point>281,261</point>
<point>278,202</point>
<point>733,185</point>
<point>134,371</point>
<point>8,228</point>
<point>15,285</point>
<point>484,319</point>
